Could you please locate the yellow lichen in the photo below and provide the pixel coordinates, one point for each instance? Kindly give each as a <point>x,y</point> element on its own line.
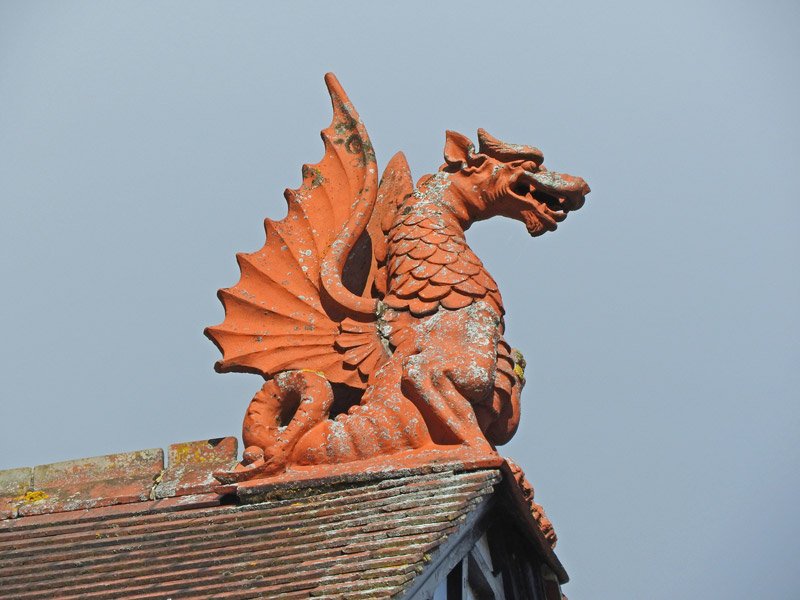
<point>519,371</point>
<point>519,363</point>
<point>34,496</point>
<point>187,453</point>
<point>320,373</point>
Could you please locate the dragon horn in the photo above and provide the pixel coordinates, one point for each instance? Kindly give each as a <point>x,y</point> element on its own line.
<point>503,151</point>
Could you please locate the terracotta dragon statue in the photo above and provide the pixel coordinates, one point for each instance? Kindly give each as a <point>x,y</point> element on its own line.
<point>377,328</point>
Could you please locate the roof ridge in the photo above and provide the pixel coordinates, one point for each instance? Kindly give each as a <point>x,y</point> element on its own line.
<point>114,479</point>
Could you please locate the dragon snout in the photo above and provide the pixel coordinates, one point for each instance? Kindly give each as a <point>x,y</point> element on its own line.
<point>547,197</point>
<point>567,192</point>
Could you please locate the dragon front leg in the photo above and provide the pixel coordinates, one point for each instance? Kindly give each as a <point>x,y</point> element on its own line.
<point>453,373</point>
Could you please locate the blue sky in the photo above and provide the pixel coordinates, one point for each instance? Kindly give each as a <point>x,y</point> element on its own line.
<point>142,145</point>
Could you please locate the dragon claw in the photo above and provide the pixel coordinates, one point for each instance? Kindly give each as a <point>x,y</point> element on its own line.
<point>254,465</point>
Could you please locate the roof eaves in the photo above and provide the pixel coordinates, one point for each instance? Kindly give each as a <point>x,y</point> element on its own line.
<point>518,509</point>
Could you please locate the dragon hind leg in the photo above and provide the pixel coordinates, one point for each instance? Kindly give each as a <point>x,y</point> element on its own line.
<point>383,423</point>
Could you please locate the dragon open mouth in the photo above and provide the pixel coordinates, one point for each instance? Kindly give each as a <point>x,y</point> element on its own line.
<point>548,197</point>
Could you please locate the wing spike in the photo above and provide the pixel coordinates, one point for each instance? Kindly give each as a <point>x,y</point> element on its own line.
<point>249,308</point>
<point>286,248</point>
<point>273,361</point>
<point>248,267</point>
<point>277,319</point>
<point>284,340</point>
<point>338,160</point>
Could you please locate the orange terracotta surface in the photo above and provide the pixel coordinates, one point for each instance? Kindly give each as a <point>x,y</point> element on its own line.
<point>378,330</point>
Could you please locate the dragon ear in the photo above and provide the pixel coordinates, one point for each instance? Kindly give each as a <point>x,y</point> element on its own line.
<point>457,148</point>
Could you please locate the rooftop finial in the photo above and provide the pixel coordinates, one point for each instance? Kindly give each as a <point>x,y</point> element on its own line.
<point>378,330</point>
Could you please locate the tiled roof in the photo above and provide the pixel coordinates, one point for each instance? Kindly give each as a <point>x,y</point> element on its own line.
<point>367,537</point>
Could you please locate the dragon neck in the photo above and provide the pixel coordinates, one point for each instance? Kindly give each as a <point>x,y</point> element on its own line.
<point>440,194</point>
<point>429,263</point>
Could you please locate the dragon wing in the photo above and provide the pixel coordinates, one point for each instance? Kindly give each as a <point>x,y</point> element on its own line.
<point>396,185</point>
<point>284,312</point>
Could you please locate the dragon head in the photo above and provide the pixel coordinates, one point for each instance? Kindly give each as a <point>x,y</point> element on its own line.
<point>509,180</point>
